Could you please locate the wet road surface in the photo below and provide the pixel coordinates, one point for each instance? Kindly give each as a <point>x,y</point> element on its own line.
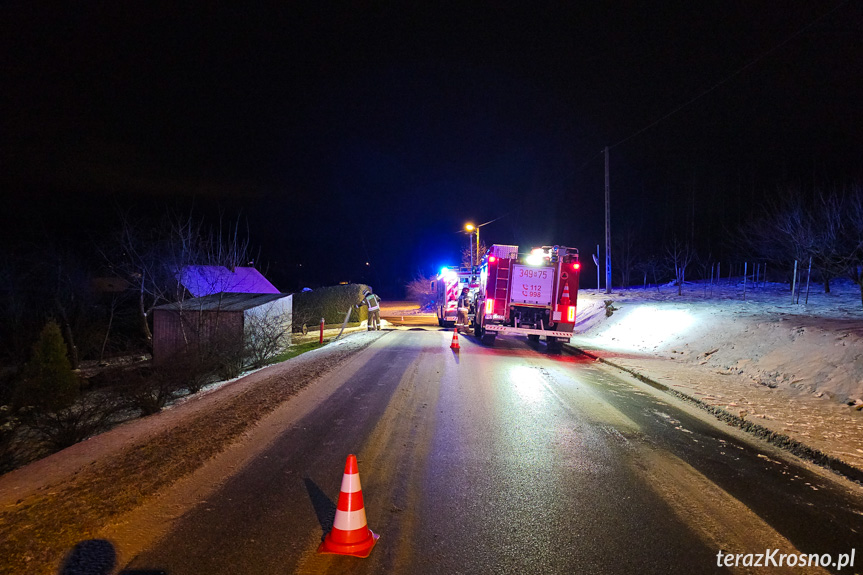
<point>509,460</point>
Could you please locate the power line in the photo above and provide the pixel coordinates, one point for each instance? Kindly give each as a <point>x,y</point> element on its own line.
<point>691,101</point>
<point>731,76</point>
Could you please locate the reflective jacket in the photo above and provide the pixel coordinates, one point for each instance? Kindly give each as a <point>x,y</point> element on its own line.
<point>464,300</point>
<point>372,301</point>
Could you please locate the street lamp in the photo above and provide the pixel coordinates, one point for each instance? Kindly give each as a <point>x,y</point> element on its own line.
<point>469,228</point>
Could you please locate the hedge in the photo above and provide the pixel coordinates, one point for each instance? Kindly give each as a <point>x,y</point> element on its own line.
<point>330,303</point>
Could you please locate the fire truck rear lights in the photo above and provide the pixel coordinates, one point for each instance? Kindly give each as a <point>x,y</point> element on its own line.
<point>570,313</point>
<point>576,265</point>
<point>489,306</point>
<point>491,259</point>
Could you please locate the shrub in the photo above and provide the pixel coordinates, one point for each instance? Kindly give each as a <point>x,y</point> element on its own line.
<point>68,425</point>
<point>148,390</point>
<point>419,290</point>
<point>192,371</point>
<point>330,303</point>
<point>48,382</point>
<point>266,335</point>
<point>9,423</point>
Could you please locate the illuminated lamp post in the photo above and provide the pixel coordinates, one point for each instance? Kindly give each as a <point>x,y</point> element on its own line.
<point>470,228</point>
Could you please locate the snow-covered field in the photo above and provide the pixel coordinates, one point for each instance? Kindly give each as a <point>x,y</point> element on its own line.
<point>809,348</point>
<point>792,368</point>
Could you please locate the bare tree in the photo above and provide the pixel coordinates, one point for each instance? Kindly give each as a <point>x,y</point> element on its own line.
<point>852,235</point>
<point>625,254</point>
<point>466,254</point>
<point>704,265</point>
<point>152,257</point>
<point>139,254</point>
<point>419,290</point>
<point>651,266</point>
<point>798,227</point>
<point>680,254</point>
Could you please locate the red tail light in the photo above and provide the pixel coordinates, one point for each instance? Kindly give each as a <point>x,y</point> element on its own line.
<point>576,265</point>
<point>570,313</point>
<point>489,306</point>
<point>491,259</point>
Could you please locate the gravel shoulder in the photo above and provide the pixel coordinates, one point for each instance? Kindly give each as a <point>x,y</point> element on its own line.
<point>50,505</point>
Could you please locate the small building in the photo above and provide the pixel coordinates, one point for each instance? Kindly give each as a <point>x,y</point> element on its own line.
<point>208,280</point>
<point>255,324</point>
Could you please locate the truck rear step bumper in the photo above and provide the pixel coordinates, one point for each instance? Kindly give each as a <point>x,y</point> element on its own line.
<point>506,330</point>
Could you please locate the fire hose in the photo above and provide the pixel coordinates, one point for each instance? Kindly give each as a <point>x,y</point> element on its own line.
<point>344,323</point>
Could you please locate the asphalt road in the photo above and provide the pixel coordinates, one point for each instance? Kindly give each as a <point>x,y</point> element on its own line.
<point>509,460</point>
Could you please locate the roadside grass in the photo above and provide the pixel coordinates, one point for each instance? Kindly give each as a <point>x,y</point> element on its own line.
<point>295,350</point>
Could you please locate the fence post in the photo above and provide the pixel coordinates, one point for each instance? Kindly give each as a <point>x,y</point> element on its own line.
<point>808,277</point>
<point>711,279</point>
<point>745,271</point>
<point>794,281</point>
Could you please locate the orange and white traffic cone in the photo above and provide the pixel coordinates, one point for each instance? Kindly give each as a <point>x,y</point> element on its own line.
<point>454,344</point>
<point>564,299</point>
<point>350,534</point>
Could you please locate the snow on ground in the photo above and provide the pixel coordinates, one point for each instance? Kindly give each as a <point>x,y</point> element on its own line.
<point>792,368</point>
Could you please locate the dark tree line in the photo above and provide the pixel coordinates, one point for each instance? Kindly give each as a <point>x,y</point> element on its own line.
<point>824,225</point>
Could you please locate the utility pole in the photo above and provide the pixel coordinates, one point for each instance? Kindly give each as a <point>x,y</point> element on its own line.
<point>477,248</point>
<point>607,227</point>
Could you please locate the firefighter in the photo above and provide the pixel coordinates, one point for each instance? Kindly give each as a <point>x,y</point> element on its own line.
<point>463,306</point>
<point>373,302</point>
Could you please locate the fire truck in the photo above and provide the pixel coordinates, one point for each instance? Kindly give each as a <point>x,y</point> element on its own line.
<point>532,294</point>
<point>447,288</point>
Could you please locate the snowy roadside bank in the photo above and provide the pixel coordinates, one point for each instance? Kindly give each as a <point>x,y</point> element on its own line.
<point>789,369</point>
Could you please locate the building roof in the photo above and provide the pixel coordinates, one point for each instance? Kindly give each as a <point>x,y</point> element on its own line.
<point>224,302</point>
<point>207,280</point>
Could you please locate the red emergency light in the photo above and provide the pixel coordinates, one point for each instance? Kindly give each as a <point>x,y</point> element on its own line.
<point>576,265</point>
<point>491,259</point>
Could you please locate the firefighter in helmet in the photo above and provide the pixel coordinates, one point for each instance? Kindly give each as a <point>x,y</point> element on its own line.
<point>373,302</point>
<point>463,307</point>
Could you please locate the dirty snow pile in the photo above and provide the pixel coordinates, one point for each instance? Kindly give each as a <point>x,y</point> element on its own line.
<point>811,348</point>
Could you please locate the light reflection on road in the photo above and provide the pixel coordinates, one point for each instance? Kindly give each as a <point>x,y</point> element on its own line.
<point>527,383</point>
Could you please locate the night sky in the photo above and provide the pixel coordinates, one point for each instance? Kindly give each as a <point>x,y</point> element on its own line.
<point>371,132</point>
